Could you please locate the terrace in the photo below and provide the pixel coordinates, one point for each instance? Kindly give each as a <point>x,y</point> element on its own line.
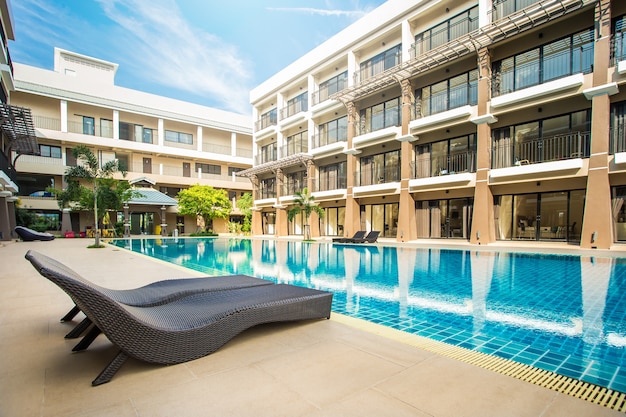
<point>339,366</point>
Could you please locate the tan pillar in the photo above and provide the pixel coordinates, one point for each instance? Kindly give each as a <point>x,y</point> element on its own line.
<point>407,224</point>
<point>257,222</point>
<point>5,231</point>
<point>314,221</point>
<point>352,221</point>
<point>282,223</point>
<point>483,227</point>
<point>597,229</point>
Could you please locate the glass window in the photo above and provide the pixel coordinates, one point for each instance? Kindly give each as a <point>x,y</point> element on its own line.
<point>89,126</point>
<point>209,168</point>
<point>171,136</point>
<point>106,128</point>
<point>50,151</point>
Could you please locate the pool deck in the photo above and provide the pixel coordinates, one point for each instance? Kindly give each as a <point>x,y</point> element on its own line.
<point>314,368</point>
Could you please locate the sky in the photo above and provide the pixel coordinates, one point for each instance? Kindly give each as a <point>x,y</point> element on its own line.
<point>207,52</point>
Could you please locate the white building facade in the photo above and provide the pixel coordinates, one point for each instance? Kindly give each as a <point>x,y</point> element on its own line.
<point>483,120</point>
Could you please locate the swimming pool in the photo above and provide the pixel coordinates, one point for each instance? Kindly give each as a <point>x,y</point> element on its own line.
<point>562,313</point>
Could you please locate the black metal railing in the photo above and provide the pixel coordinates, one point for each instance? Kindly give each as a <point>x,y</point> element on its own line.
<point>376,175</point>
<point>426,166</point>
<point>554,148</point>
<point>329,182</point>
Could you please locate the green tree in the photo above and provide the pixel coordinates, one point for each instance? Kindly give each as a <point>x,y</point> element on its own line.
<point>304,202</point>
<point>205,202</point>
<point>101,189</point>
<point>245,203</point>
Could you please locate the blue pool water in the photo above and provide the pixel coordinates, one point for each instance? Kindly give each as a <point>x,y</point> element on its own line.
<point>556,312</point>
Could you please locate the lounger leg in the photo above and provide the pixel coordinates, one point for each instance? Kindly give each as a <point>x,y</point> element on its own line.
<point>110,370</point>
<point>79,329</point>
<point>87,340</point>
<point>70,314</point>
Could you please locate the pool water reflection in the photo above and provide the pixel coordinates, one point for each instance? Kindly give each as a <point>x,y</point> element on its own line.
<point>557,312</point>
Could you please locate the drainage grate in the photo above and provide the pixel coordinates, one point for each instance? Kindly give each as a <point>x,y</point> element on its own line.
<point>596,394</point>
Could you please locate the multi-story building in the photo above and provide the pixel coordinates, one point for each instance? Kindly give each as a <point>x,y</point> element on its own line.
<point>17,136</point>
<point>483,120</point>
<point>165,144</point>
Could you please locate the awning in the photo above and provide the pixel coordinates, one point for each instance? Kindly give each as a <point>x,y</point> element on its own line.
<point>17,124</point>
<point>151,197</point>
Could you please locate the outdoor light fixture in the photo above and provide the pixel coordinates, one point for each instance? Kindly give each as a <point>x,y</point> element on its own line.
<point>594,236</point>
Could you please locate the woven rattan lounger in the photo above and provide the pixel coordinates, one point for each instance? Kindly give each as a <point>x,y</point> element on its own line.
<point>161,292</point>
<point>188,328</point>
<point>358,235</point>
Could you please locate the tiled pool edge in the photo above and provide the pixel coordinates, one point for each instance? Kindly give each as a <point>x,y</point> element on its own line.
<point>595,394</point>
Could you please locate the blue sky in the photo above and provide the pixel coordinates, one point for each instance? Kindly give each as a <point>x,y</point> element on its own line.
<point>202,51</point>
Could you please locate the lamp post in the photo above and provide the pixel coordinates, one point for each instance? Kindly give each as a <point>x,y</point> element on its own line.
<point>163,222</point>
<point>126,221</point>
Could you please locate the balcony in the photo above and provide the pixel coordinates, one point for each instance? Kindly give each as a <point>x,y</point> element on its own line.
<point>329,183</point>
<point>375,175</point>
<point>572,145</point>
<point>455,163</point>
<point>294,147</point>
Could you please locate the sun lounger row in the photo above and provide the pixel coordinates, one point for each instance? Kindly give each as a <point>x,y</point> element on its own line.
<point>187,328</point>
<point>359,237</point>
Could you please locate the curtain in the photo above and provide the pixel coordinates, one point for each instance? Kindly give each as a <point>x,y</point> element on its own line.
<point>502,145</point>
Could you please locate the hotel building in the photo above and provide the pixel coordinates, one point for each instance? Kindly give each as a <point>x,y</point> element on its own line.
<point>484,120</point>
<point>165,144</point>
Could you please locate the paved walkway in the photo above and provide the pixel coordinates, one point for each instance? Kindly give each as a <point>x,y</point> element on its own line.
<point>315,368</point>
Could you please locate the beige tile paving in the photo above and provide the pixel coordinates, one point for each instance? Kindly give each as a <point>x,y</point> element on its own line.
<point>313,369</point>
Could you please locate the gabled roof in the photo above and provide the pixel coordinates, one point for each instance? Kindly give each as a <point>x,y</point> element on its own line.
<point>150,196</point>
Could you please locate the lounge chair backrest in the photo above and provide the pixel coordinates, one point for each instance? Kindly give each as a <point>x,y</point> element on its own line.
<point>372,236</point>
<point>360,234</point>
<point>93,300</point>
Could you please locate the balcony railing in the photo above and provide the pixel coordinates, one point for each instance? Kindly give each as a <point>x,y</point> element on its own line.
<point>371,69</point>
<point>551,67</point>
<point>265,157</point>
<point>446,100</point>
<point>323,93</point>
<point>328,183</point>
<point>293,187</point>
<point>376,175</point>
<point>554,148</point>
<point>618,138</point>
<point>265,121</point>
<point>267,193</point>
<point>323,140</point>
<point>444,34</point>
<point>455,163</point>
<point>502,8</point>
<point>294,147</point>
<point>294,108</point>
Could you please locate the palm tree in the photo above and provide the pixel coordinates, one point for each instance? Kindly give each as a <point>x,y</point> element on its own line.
<point>305,203</point>
<point>88,170</point>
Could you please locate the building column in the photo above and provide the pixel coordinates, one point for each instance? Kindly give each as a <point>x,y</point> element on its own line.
<point>282,223</point>
<point>483,227</point>
<point>163,222</point>
<point>257,217</point>
<point>233,144</point>
<point>200,139</point>
<point>597,229</point>
<point>314,221</point>
<point>160,132</point>
<point>5,222</point>
<point>116,124</point>
<point>352,221</point>
<point>63,111</point>
<point>407,223</point>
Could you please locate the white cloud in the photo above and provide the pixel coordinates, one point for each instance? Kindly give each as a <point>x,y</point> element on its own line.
<point>163,47</point>
<point>322,12</point>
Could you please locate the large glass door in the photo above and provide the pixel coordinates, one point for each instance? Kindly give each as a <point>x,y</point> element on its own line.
<point>540,216</point>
